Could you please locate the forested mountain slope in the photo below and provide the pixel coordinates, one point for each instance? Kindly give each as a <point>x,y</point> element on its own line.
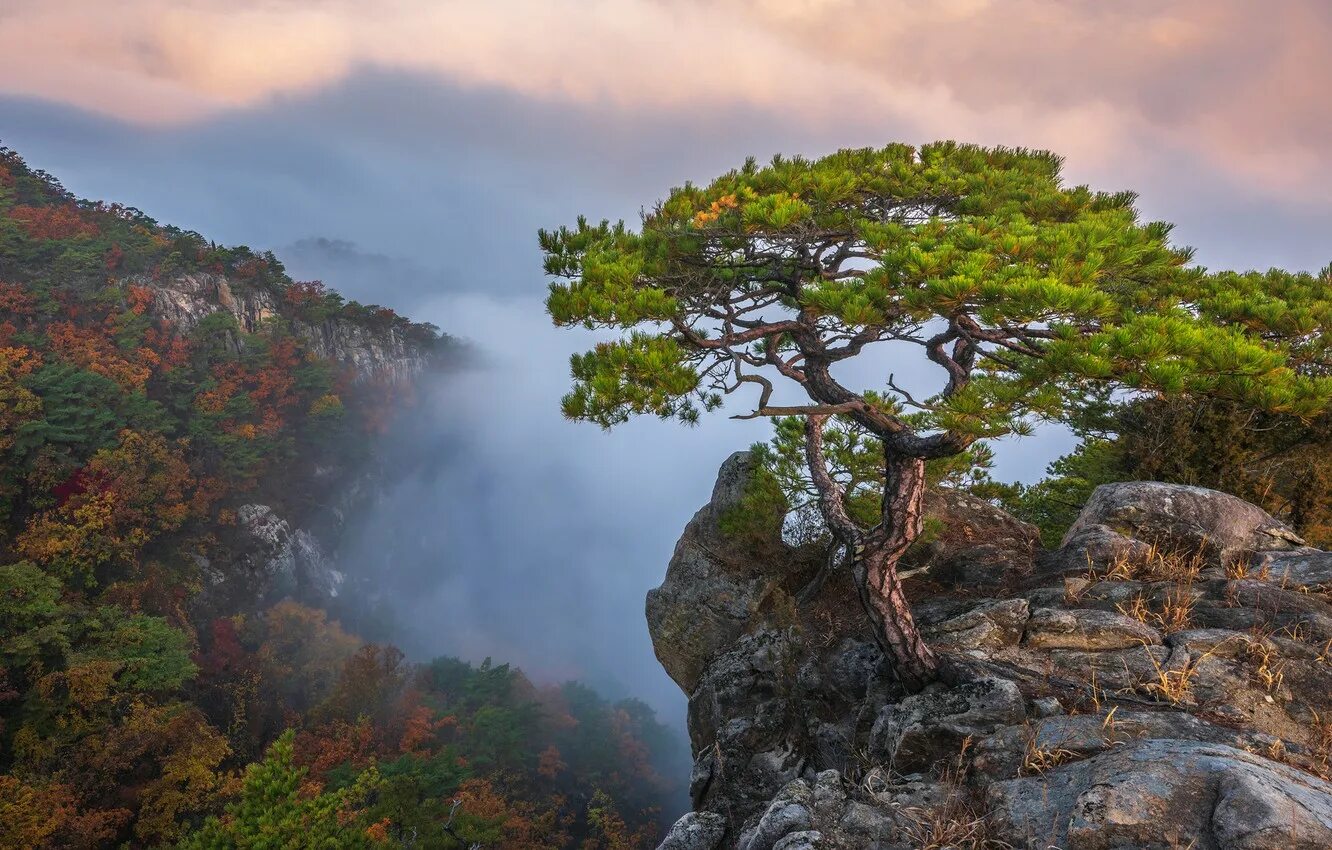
<point>183,428</point>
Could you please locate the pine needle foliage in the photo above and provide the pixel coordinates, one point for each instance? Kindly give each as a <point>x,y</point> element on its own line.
<point>1050,288</point>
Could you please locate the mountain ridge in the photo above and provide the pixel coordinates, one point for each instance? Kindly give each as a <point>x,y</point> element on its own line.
<point>184,431</point>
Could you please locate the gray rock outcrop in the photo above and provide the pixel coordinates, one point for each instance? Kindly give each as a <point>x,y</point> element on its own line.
<point>1103,711</point>
<point>272,560</point>
<point>713,587</point>
<point>1086,629</point>
<point>187,300</point>
<point>1167,794</point>
<point>1129,518</point>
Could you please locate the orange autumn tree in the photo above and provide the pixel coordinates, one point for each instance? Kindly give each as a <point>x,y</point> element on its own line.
<point>92,349</point>
<point>125,497</point>
<point>60,221</point>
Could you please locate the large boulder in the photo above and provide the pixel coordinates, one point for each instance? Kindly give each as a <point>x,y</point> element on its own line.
<point>1087,630</point>
<point>928,729</point>
<point>1300,570</point>
<point>972,543</point>
<point>987,626</point>
<point>1167,794</point>
<point>1124,519</point>
<point>695,831</point>
<point>1047,742</point>
<point>715,583</point>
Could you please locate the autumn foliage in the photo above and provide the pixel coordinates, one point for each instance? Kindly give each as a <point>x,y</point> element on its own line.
<point>133,714</point>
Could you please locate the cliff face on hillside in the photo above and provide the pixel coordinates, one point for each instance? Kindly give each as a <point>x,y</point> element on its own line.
<point>290,551</point>
<point>373,354</point>
<point>1161,680</point>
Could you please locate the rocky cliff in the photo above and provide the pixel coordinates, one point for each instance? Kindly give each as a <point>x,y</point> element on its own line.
<point>1161,680</point>
<point>372,353</point>
<point>289,550</point>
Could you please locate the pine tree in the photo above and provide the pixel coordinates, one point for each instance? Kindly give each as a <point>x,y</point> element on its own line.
<point>1022,292</point>
<point>275,809</point>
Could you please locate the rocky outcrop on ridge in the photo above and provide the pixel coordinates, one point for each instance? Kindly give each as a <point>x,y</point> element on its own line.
<point>372,353</point>
<point>276,551</point>
<point>1161,680</point>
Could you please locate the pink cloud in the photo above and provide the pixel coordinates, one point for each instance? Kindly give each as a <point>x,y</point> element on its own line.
<point>1108,84</point>
<point>1242,83</point>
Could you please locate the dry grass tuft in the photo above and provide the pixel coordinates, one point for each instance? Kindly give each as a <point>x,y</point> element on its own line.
<point>1269,668</point>
<point>1110,733</point>
<point>1325,653</point>
<point>1137,608</point>
<point>1240,568</point>
<point>1175,614</point>
<point>1172,686</point>
<point>1276,751</point>
<point>1177,609</point>
<point>960,822</point>
<point>1037,759</point>
<point>1092,699</point>
<point>955,825</point>
<point>1298,631</point>
<point>1157,564</point>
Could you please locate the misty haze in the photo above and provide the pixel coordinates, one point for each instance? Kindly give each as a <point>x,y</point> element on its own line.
<point>750,425</point>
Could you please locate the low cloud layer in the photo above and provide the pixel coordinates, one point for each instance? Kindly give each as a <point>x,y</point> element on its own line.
<point>458,179</point>
<point>525,537</point>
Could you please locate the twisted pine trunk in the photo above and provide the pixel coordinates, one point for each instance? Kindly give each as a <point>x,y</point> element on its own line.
<point>874,569</point>
<point>874,554</point>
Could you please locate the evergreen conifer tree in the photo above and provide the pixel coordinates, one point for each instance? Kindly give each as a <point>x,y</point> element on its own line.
<point>1021,291</point>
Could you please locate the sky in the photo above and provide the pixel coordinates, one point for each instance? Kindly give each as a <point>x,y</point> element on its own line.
<point>406,151</point>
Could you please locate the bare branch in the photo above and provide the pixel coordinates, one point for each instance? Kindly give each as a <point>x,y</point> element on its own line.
<point>958,376</point>
<point>786,367</point>
<point>805,410</point>
<point>856,342</point>
<point>742,378</point>
<point>728,340</point>
<point>906,396</point>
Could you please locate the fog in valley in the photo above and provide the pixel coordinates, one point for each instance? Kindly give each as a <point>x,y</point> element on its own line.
<point>518,535</point>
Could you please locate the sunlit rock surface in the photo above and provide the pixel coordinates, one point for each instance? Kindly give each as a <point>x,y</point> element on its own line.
<point>1098,699</point>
